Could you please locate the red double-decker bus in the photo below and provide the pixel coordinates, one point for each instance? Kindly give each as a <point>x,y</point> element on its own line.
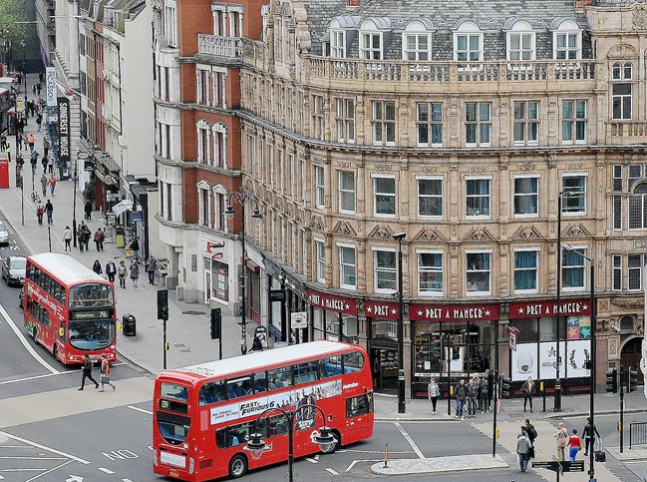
<point>205,414</point>
<point>69,309</point>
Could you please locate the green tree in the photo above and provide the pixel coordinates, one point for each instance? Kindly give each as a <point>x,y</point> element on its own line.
<point>13,26</point>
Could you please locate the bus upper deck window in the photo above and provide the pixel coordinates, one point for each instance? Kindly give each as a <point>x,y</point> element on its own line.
<point>353,362</point>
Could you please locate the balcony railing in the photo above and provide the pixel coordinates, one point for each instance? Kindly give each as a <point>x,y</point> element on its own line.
<point>627,132</point>
<point>436,72</point>
<point>228,47</point>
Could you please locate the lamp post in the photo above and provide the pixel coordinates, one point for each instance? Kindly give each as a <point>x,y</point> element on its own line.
<point>241,197</point>
<point>323,437</point>
<point>402,407</point>
<point>23,45</point>
<point>592,362</point>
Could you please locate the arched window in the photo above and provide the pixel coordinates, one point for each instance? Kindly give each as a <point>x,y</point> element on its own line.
<point>416,40</point>
<point>567,39</point>
<point>627,323</point>
<point>521,40</point>
<point>219,193</point>
<point>638,207</point>
<point>219,131</point>
<point>622,72</point>
<point>204,203</point>
<point>371,38</point>
<point>204,152</point>
<point>468,42</point>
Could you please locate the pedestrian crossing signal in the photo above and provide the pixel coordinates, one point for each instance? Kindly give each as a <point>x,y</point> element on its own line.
<point>216,322</point>
<point>505,387</point>
<point>612,381</point>
<point>633,380</point>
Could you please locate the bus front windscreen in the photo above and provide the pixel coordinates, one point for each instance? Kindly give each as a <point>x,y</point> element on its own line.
<point>92,335</point>
<point>91,295</point>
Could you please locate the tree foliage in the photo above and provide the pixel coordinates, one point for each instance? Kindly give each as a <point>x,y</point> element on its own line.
<point>13,21</point>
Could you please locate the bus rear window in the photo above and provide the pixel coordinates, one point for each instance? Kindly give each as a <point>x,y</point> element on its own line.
<point>174,392</point>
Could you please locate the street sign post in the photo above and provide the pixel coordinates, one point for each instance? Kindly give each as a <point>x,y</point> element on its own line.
<point>560,467</point>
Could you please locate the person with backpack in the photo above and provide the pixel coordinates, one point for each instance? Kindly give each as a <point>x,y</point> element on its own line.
<point>460,390</point>
<point>40,210</point>
<point>530,431</point>
<point>472,394</point>
<point>524,447</point>
<point>483,395</point>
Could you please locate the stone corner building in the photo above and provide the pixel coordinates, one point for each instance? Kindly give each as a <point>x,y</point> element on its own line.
<point>461,126</point>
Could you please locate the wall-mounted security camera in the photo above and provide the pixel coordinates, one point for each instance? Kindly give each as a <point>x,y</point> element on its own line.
<point>399,236</point>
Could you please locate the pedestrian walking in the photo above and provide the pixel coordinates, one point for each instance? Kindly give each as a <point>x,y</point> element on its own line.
<point>67,237</point>
<point>43,183</point>
<point>135,247</point>
<point>460,391</point>
<point>523,450</point>
<point>433,392</point>
<point>40,210</point>
<point>527,389</point>
<point>472,393</point>
<point>18,142</point>
<point>257,344</point>
<point>530,431</point>
<point>39,121</point>
<point>46,146</point>
<point>483,395</point>
<point>134,272</point>
<point>121,272</point>
<point>151,266</point>
<point>49,209</point>
<point>33,161</point>
<point>105,374</point>
<point>9,152</point>
<point>87,372</point>
<point>96,267</point>
<point>589,433</point>
<point>87,234</point>
<point>34,157</point>
<point>111,270</point>
<point>574,444</point>
<point>50,164</point>
<point>79,237</point>
<point>31,140</point>
<point>38,88</point>
<point>562,440</point>
<point>52,182</point>
<point>33,89</point>
<point>3,141</point>
<point>88,210</point>
<point>41,76</point>
<point>99,236</point>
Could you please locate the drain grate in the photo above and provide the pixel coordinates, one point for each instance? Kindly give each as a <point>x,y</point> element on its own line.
<point>193,313</point>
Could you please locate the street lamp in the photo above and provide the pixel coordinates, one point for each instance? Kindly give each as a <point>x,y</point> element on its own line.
<point>241,197</point>
<point>592,362</point>
<point>24,74</point>
<point>322,437</point>
<point>402,407</point>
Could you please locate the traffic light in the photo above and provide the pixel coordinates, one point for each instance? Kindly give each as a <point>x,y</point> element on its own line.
<point>505,387</point>
<point>162,305</point>
<point>612,380</point>
<point>216,319</point>
<point>633,380</point>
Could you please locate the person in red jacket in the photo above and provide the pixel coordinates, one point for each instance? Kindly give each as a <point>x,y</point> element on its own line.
<point>575,444</point>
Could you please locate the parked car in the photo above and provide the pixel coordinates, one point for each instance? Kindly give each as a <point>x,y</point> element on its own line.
<point>4,234</point>
<point>13,270</point>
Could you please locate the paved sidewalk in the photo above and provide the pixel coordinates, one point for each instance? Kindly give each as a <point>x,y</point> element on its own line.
<point>188,324</point>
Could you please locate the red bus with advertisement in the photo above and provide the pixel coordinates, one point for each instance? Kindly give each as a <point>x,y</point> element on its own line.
<point>69,309</point>
<point>205,414</point>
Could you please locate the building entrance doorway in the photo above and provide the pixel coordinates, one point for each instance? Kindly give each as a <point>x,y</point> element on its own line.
<point>385,369</point>
<point>630,357</point>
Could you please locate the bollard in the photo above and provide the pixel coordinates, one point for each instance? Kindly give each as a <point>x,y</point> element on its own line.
<point>497,433</point>
<point>543,391</point>
<point>386,456</point>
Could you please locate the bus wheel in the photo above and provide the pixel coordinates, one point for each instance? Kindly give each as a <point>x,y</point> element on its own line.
<point>332,448</point>
<point>56,352</point>
<point>237,466</point>
<point>34,335</point>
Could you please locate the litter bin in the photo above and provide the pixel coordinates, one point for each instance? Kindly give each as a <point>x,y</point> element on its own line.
<point>129,325</point>
<point>4,173</point>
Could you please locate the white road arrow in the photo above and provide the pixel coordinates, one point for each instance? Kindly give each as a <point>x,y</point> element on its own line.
<point>74,478</point>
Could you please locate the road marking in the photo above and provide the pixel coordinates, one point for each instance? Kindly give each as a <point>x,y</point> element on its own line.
<point>36,377</point>
<point>23,340</point>
<point>312,461</point>
<point>408,438</point>
<point>332,471</point>
<point>44,447</point>
<point>107,471</point>
<point>356,461</point>
<point>20,457</point>
<point>50,470</point>
<point>139,409</point>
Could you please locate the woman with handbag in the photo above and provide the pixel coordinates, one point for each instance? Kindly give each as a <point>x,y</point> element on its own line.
<point>105,374</point>
<point>433,392</point>
<point>575,445</point>
<point>562,440</point>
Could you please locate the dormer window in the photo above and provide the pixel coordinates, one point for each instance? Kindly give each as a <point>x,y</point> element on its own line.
<point>521,41</point>
<point>342,31</point>
<point>567,40</point>
<point>371,40</point>
<point>416,40</point>
<point>338,44</point>
<point>468,42</point>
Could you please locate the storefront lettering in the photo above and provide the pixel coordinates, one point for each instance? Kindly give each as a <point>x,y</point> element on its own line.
<point>332,303</point>
<point>454,313</point>
<point>548,308</point>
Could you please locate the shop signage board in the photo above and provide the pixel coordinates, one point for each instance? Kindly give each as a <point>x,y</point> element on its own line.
<point>454,312</point>
<point>299,319</point>
<point>332,303</point>
<point>377,309</point>
<point>549,308</point>
<point>50,86</point>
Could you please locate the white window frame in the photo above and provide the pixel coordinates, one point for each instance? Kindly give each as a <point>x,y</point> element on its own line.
<point>343,190</point>
<point>429,124</point>
<point>338,43</point>
<point>342,285</point>
<point>216,192</point>
<point>320,187</point>
<point>369,31</point>
<point>170,23</point>
<point>418,31</point>
<point>567,29</point>
<point>471,31</point>
<point>374,177</point>
<point>526,122</point>
<point>489,252</point>
<point>489,196</point>
<point>520,30</point>
<point>621,98</point>
<point>376,269</point>
<point>620,71</point>
<point>566,175</point>
<point>382,139</point>
<point>616,266</point>
<point>442,187</point>
<point>319,264</point>
<point>218,129</point>
<point>204,128</point>
<point>205,211</point>
<point>537,251</point>
<point>572,123</point>
<point>201,71</point>
<point>641,197</point>
<point>581,266</point>
<point>515,194</point>
<point>480,124</point>
<point>633,269</point>
<point>428,293</point>
<point>219,90</point>
<point>345,122</point>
